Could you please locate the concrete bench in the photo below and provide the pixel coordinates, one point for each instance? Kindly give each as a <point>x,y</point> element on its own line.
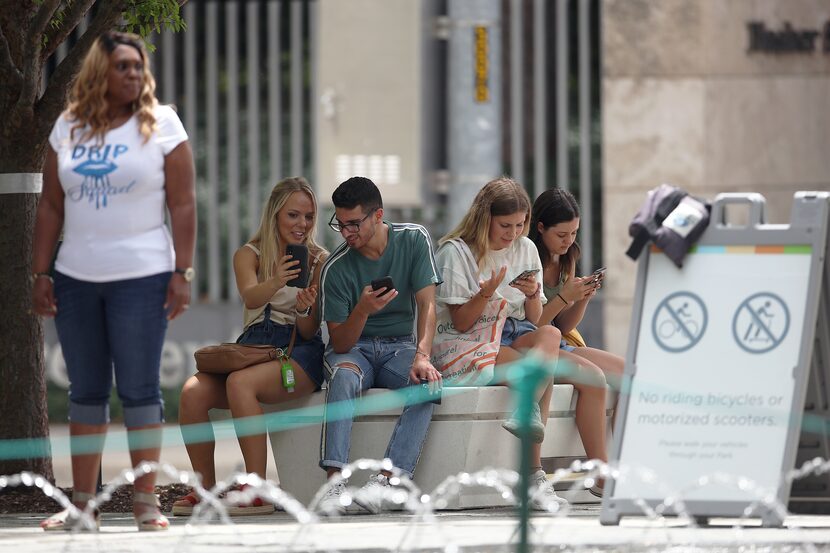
<point>465,436</point>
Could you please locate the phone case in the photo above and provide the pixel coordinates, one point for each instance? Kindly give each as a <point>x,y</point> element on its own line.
<point>299,252</point>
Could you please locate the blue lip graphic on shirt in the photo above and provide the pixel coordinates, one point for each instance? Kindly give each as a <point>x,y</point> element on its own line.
<point>92,168</point>
<point>96,179</point>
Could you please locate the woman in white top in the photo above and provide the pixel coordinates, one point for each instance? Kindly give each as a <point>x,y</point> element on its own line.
<point>273,311</point>
<point>117,160</point>
<point>494,230</point>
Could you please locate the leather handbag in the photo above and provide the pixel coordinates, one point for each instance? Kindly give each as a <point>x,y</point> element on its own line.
<point>227,358</point>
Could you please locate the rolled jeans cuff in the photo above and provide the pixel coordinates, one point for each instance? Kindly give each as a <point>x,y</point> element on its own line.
<point>143,415</point>
<point>329,464</point>
<point>89,414</point>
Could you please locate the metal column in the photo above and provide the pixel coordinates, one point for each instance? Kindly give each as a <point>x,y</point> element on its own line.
<point>474,100</point>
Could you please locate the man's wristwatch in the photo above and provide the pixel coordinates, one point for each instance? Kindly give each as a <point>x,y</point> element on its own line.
<point>188,273</point>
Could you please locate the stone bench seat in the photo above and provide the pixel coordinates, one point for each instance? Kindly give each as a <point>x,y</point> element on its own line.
<point>465,436</point>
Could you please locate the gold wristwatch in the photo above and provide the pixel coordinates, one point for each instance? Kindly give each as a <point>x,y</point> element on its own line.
<point>188,273</point>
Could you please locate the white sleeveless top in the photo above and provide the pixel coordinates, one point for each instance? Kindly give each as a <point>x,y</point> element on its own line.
<point>282,305</point>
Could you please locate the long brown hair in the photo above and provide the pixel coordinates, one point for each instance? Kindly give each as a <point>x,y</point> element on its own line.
<point>501,196</point>
<point>88,104</point>
<point>552,207</point>
<point>267,236</point>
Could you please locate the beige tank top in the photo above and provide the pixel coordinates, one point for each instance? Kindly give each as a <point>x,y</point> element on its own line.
<point>282,305</point>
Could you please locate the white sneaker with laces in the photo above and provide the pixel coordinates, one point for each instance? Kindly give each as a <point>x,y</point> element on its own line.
<point>372,496</point>
<point>537,426</point>
<point>337,501</point>
<point>542,495</point>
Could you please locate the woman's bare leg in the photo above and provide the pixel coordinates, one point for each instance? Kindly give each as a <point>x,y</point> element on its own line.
<point>245,390</point>
<point>145,446</point>
<point>545,341</point>
<point>589,382</point>
<point>612,365</point>
<point>201,393</point>
<point>85,466</point>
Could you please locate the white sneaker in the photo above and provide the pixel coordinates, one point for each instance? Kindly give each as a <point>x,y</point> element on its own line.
<point>337,501</point>
<point>536,429</point>
<point>542,495</point>
<point>376,494</point>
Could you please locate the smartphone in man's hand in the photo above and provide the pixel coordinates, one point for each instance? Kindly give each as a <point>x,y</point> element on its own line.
<point>385,282</point>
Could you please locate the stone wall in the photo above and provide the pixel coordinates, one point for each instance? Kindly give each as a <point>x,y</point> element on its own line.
<point>687,101</point>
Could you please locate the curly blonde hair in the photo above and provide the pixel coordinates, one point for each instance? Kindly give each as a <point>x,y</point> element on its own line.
<point>501,196</point>
<point>88,104</point>
<point>267,236</point>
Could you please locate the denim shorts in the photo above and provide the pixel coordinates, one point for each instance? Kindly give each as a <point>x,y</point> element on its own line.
<point>514,328</point>
<point>105,325</point>
<point>564,345</point>
<point>307,353</point>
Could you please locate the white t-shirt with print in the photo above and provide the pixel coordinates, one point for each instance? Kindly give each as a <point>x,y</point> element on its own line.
<point>114,202</point>
<point>456,289</point>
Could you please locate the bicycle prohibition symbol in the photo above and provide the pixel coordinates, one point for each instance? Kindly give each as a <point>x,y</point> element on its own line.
<point>679,322</point>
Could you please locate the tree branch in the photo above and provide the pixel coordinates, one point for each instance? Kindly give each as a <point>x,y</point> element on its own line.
<point>7,66</point>
<point>31,63</point>
<point>71,19</point>
<point>51,103</point>
<point>42,18</point>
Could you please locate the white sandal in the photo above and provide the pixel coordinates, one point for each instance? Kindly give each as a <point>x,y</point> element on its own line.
<point>152,520</point>
<point>65,521</point>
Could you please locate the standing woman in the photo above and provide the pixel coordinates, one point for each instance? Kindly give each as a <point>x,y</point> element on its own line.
<point>117,159</point>
<point>273,311</point>
<point>495,231</point>
<point>553,229</point>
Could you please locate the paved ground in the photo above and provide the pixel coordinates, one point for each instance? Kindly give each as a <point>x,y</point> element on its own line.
<point>480,530</point>
<point>117,458</point>
<point>461,531</point>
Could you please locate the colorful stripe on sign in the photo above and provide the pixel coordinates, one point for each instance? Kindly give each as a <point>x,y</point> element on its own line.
<point>795,249</point>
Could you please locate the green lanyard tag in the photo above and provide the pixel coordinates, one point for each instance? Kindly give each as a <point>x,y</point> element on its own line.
<point>287,376</point>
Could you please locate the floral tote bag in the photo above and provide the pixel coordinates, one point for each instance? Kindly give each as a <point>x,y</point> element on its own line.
<point>468,358</point>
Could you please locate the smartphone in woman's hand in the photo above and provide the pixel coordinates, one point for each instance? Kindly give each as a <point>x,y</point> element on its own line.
<point>597,276</point>
<point>524,275</point>
<point>298,252</point>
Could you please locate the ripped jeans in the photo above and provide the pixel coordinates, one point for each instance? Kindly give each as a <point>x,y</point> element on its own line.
<point>384,362</point>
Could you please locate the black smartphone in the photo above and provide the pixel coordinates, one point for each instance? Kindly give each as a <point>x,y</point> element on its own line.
<point>524,274</point>
<point>385,282</point>
<point>435,397</point>
<point>298,252</point>
<point>598,275</point>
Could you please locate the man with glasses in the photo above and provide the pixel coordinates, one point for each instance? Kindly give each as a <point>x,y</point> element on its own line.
<point>371,341</point>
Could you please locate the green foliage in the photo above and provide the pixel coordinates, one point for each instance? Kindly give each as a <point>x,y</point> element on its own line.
<point>142,17</point>
<point>147,16</point>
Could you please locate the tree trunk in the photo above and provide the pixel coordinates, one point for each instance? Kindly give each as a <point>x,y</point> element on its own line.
<point>22,379</point>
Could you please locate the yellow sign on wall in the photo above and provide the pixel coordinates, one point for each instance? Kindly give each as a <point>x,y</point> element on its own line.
<point>482,64</point>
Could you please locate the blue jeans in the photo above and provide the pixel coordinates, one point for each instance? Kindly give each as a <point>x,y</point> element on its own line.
<point>384,362</point>
<point>118,324</point>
